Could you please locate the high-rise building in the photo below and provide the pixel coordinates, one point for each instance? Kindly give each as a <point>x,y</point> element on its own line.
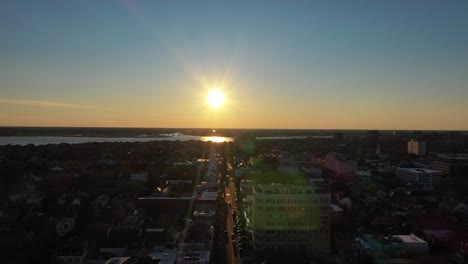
<point>417,147</point>
<point>291,218</point>
<point>424,177</point>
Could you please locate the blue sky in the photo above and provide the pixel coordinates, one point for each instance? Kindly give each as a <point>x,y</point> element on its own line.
<point>305,64</point>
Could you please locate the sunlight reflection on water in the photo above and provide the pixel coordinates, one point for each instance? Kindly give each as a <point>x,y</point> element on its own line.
<point>44,140</point>
<point>217,139</point>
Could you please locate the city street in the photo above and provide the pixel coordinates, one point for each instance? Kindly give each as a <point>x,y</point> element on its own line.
<point>233,251</point>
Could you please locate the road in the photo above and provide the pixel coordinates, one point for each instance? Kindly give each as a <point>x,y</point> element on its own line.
<point>233,252</point>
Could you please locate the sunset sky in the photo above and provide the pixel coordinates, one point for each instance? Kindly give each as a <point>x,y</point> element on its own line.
<point>280,64</point>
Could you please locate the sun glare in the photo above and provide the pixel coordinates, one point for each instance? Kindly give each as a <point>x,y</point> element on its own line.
<point>216,98</point>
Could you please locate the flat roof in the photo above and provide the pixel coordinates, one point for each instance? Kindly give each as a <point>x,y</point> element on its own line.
<point>419,170</point>
<point>460,156</point>
<point>336,208</point>
<point>117,260</point>
<point>410,239</point>
<point>209,195</point>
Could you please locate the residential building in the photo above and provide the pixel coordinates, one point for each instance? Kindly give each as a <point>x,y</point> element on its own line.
<point>341,165</point>
<point>291,218</point>
<point>452,164</point>
<point>424,177</point>
<point>417,148</point>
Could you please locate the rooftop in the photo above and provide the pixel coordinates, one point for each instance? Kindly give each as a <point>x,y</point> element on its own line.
<point>418,170</point>
<point>410,239</point>
<point>117,260</point>
<point>458,156</point>
<point>209,195</point>
<point>336,208</point>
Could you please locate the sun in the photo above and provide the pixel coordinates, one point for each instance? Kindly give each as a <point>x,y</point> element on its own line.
<point>216,98</point>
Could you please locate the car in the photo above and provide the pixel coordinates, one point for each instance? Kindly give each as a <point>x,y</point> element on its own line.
<point>233,237</point>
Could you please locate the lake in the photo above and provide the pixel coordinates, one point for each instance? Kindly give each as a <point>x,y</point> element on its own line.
<point>44,140</point>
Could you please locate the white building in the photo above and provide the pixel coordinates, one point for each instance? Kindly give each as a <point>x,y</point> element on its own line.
<point>417,147</point>
<point>291,218</point>
<point>425,177</point>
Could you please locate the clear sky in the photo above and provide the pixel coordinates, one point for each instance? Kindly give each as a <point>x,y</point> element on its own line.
<point>281,64</point>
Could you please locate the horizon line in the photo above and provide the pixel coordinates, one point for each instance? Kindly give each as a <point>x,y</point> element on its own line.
<point>241,128</point>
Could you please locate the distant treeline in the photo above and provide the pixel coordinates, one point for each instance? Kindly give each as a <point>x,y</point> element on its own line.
<point>157,132</point>
<point>152,132</point>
